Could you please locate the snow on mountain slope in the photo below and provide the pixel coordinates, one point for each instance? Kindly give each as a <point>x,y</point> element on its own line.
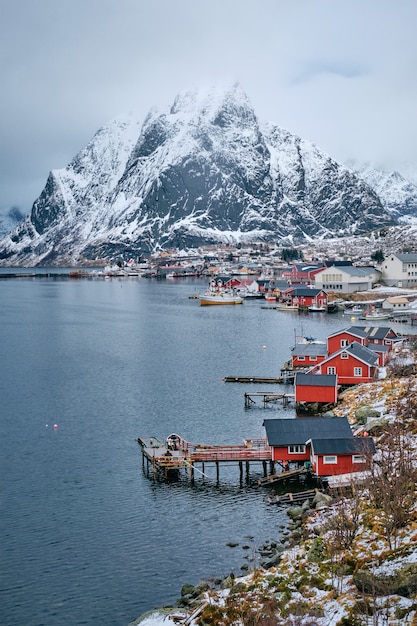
<point>398,195</point>
<point>204,170</point>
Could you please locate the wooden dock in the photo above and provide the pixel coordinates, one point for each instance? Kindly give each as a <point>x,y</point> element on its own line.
<point>177,454</point>
<point>267,398</point>
<point>254,379</point>
<point>292,497</point>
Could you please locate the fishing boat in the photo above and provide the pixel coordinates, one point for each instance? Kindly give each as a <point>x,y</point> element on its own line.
<point>355,310</point>
<point>219,297</point>
<point>315,308</point>
<point>283,306</point>
<point>374,315</point>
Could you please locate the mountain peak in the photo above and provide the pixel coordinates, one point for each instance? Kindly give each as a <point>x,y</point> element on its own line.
<point>203,171</point>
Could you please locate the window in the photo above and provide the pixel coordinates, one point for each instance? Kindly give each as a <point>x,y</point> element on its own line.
<point>344,343</point>
<point>344,355</point>
<point>313,358</point>
<point>358,458</point>
<point>331,370</point>
<point>330,460</point>
<point>357,371</point>
<point>296,449</point>
<point>301,358</point>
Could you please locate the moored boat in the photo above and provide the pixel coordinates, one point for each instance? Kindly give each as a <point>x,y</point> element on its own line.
<point>219,297</point>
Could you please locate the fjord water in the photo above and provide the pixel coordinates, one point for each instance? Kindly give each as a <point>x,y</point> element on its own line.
<point>86,536</point>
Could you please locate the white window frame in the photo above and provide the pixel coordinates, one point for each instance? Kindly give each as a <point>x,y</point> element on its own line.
<point>344,355</point>
<point>357,371</point>
<point>344,343</point>
<point>296,449</point>
<point>301,358</point>
<point>331,369</point>
<point>330,459</point>
<point>358,458</point>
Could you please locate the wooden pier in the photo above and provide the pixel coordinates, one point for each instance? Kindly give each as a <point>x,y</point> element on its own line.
<point>254,379</point>
<point>267,398</point>
<point>178,454</point>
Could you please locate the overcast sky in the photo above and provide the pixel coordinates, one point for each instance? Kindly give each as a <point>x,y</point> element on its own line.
<point>342,74</point>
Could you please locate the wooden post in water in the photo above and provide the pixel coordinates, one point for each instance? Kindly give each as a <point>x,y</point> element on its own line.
<point>264,467</point>
<point>241,470</point>
<point>191,470</point>
<point>217,471</point>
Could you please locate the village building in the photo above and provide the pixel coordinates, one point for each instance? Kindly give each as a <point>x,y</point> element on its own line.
<point>353,365</point>
<point>331,457</point>
<point>399,270</point>
<point>396,303</point>
<point>327,444</point>
<point>305,355</point>
<point>302,273</point>
<point>315,388</point>
<point>303,297</point>
<point>346,278</point>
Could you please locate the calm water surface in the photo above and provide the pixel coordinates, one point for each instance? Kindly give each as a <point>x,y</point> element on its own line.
<point>86,536</point>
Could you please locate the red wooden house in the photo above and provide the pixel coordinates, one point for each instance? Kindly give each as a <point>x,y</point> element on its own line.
<point>321,388</point>
<point>381,336</point>
<point>288,437</point>
<point>331,449</point>
<point>342,338</point>
<point>302,272</point>
<point>331,457</point>
<point>304,297</point>
<point>308,354</point>
<point>353,364</point>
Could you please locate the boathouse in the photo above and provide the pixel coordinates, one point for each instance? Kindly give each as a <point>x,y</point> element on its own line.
<point>312,388</point>
<point>331,457</point>
<point>288,438</point>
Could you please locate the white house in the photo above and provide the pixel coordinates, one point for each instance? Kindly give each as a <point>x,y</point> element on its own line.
<point>396,303</point>
<point>346,278</point>
<point>400,270</point>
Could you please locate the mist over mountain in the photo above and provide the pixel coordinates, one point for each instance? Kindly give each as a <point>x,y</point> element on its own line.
<point>206,170</point>
<point>9,220</point>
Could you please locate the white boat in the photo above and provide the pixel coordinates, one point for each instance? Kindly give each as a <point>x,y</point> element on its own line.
<point>373,315</point>
<point>219,297</point>
<point>355,310</point>
<point>314,308</point>
<point>282,306</point>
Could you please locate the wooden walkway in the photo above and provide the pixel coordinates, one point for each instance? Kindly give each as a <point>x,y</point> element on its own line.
<point>254,379</point>
<point>274,478</point>
<point>177,453</point>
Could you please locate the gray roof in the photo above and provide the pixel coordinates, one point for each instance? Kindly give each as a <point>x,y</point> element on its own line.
<point>304,291</point>
<point>377,332</point>
<point>352,270</point>
<point>361,352</point>
<point>378,347</point>
<point>345,445</point>
<point>284,432</point>
<point>316,380</point>
<point>310,349</point>
<point>357,331</point>
<point>407,258</point>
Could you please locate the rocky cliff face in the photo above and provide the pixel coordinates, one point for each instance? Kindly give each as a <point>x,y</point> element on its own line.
<point>204,171</point>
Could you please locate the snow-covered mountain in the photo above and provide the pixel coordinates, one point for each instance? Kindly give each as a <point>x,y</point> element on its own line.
<point>9,220</point>
<point>206,170</point>
<point>397,194</point>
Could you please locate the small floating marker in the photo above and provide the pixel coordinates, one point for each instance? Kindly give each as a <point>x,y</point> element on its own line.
<point>222,379</point>
<point>263,347</point>
<point>46,425</point>
<point>55,426</point>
